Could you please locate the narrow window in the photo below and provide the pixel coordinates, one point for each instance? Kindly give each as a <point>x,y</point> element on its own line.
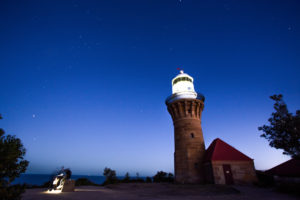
<point>196,165</point>
<point>192,135</point>
<point>176,80</point>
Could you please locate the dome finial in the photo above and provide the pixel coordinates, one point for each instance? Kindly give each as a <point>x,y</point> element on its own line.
<point>180,70</point>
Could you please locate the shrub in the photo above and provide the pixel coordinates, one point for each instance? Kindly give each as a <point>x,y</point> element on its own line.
<point>138,179</point>
<point>46,184</point>
<point>148,179</point>
<point>13,192</point>
<point>264,180</point>
<point>289,188</point>
<point>84,181</point>
<point>162,176</point>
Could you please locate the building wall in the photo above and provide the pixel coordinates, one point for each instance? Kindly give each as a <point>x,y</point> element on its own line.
<point>208,173</point>
<point>189,142</point>
<point>243,172</point>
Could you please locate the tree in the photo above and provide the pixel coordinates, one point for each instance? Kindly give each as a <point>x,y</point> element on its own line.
<point>162,176</point>
<point>110,176</point>
<point>126,178</point>
<point>283,132</point>
<point>12,164</point>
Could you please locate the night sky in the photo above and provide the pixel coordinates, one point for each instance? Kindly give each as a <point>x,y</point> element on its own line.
<point>84,83</point>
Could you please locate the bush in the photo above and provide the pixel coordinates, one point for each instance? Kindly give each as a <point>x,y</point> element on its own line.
<point>128,179</point>
<point>148,179</point>
<point>162,176</point>
<point>12,192</point>
<point>138,179</point>
<point>46,184</point>
<point>84,181</point>
<point>264,180</point>
<point>289,188</point>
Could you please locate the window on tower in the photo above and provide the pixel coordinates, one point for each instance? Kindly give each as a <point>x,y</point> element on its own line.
<point>196,165</point>
<point>192,135</point>
<point>182,79</point>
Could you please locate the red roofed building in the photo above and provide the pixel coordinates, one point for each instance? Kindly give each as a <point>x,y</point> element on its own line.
<point>290,168</point>
<point>223,164</point>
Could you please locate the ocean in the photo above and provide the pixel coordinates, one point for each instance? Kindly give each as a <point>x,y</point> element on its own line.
<point>39,179</point>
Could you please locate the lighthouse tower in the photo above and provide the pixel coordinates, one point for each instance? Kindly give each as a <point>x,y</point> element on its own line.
<point>185,106</point>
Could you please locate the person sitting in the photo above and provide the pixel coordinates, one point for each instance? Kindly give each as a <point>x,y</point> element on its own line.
<point>56,182</point>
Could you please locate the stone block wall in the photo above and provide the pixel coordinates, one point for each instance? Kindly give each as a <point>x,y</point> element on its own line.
<point>243,172</point>
<point>189,142</point>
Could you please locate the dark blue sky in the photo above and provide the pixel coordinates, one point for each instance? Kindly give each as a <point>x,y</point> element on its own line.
<point>83,83</point>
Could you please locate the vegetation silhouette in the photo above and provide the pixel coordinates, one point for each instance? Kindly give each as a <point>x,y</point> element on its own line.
<point>126,178</point>
<point>283,132</point>
<point>110,176</point>
<point>148,179</point>
<point>12,164</point>
<point>162,176</point>
<point>84,181</point>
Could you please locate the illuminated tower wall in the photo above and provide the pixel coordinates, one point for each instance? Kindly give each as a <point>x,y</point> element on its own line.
<point>185,106</point>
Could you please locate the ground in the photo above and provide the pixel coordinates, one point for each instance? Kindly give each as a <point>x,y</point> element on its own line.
<point>148,191</point>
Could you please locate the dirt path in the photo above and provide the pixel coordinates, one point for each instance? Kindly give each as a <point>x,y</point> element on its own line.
<point>158,192</point>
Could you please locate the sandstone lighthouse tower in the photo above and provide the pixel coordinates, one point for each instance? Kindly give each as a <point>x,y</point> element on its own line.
<point>185,106</point>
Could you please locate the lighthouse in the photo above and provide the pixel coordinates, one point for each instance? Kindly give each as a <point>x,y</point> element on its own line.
<point>185,107</point>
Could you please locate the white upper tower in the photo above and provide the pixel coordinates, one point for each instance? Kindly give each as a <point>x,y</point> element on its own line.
<point>183,88</point>
<point>183,83</point>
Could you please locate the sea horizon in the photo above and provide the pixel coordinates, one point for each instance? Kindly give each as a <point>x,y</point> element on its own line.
<point>40,179</point>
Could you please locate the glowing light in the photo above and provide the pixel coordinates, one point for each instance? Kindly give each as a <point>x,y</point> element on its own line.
<point>183,83</point>
<point>52,192</point>
<point>90,190</point>
<point>183,88</point>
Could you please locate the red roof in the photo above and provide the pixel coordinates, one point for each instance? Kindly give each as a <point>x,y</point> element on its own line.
<point>288,168</point>
<point>220,150</point>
